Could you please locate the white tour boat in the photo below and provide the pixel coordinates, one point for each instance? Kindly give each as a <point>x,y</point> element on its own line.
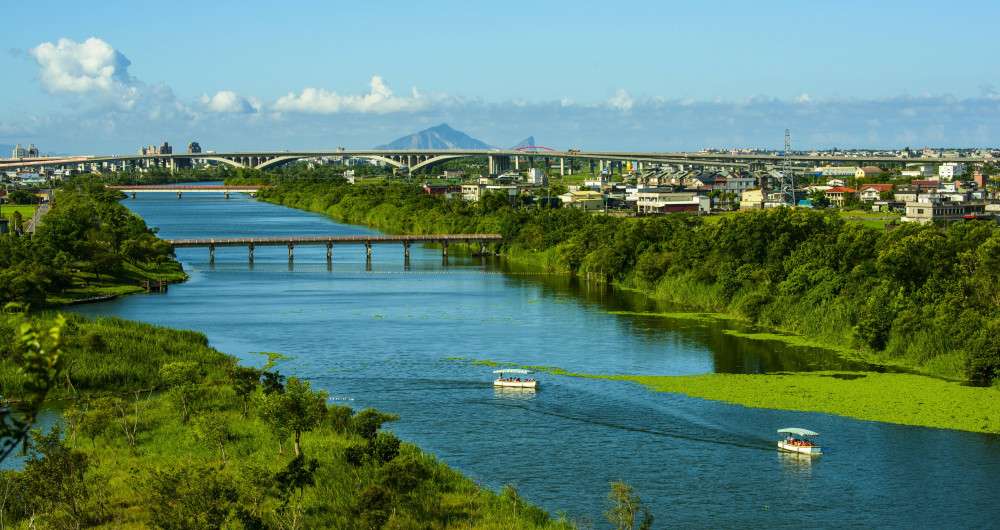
<point>516,380</point>
<point>796,441</point>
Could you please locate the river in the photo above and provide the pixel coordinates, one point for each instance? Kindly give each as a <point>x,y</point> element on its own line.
<point>402,337</point>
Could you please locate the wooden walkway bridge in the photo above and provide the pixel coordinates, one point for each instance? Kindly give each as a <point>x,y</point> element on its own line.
<point>330,241</point>
<point>188,188</point>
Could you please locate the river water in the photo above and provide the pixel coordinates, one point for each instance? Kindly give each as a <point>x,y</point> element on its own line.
<point>403,337</point>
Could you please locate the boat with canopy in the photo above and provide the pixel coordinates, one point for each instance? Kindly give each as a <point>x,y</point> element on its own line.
<point>796,441</point>
<point>515,378</point>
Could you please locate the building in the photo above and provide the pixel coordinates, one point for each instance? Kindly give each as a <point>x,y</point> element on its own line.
<point>873,192</point>
<point>194,148</point>
<point>919,173</point>
<point>836,171</point>
<point>586,200</point>
<point>952,170</point>
<point>943,211</point>
<point>840,194</point>
<point>30,152</point>
<point>867,172</point>
<point>538,177</point>
<point>472,192</point>
<point>654,202</point>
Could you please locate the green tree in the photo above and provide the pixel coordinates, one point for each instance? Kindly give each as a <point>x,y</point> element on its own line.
<point>295,410</point>
<point>54,474</point>
<point>41,364</point>
<point>623,505</point>
<point>183,378</point>
<point>213,428</point>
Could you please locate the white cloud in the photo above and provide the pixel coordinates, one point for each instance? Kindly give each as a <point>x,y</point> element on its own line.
<point>93,66</point>
<point>227,101</point>
<point>379,100</point>
<point>621,100</point>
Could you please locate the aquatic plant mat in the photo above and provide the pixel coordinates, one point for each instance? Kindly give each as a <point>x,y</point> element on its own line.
<point>905,399</point>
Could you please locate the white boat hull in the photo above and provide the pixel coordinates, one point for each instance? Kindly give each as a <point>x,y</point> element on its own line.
<point>517,384</point>
<point>806,449</point>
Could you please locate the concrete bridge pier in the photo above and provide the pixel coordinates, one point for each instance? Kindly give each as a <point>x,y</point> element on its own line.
<point>482,249</point>
<point>178,195</point>
<point>368,250</point>
<point>211,253</point>
<point>444,249</point>
<point>290,247</point>
<point>329,252</point>
<point>251,252</point>
<point>406,250</point>
<point>227,194</point>
<point>133,194</point>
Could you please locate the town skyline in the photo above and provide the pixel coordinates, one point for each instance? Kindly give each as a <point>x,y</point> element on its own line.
<point>657,78</point>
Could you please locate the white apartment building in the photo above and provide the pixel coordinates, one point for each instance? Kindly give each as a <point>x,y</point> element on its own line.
<point>952,170</point>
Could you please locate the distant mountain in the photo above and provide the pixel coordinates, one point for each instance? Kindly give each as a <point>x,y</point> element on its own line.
<point>527,142</point>
<point>440,137</point>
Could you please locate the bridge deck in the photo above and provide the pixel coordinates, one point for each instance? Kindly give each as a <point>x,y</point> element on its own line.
<point>193,188</point>
<point>334,240</point>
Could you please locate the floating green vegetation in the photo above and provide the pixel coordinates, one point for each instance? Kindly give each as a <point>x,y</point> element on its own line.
<point>905,399</point>
<point>792,340</point>
<point>678,315</point>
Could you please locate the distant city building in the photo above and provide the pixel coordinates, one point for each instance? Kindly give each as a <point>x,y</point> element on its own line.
<point>164,149</point>
<point>30,152</point>
<point>194,148</point>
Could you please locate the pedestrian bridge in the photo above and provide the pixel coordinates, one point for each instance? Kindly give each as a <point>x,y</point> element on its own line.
<point>406,240</point>
<point>179,190</point>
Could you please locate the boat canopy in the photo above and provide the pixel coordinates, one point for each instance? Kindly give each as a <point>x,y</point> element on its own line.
<point>799,432</point>
<point>513,371</point>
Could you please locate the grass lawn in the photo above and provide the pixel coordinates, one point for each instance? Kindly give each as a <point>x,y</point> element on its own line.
<point>86,284</point>
<point>8,209</point>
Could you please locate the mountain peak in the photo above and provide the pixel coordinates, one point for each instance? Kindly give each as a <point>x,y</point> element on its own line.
<point>439,137</point>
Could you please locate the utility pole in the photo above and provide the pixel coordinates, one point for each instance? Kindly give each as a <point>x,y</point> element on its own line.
<point>787,178</point>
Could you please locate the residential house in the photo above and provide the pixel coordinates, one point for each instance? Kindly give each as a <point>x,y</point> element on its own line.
<point>472,192</point>
<point>921,172</point>
<point>840,194</point>
<point>658,202</point>
<point>873,192</point>
<point>585,200</point>
<point>945,211</point>
<point>867,172</point>
<point>761,199</point>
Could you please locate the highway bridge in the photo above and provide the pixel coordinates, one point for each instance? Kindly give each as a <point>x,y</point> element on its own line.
<point>406,240</point>
<point>417,158</point>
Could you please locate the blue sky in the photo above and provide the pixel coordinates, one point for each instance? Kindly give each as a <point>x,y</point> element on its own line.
<point>105,77</point>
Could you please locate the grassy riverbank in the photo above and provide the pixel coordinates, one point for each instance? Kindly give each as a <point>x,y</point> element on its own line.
<point>219,444</point>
